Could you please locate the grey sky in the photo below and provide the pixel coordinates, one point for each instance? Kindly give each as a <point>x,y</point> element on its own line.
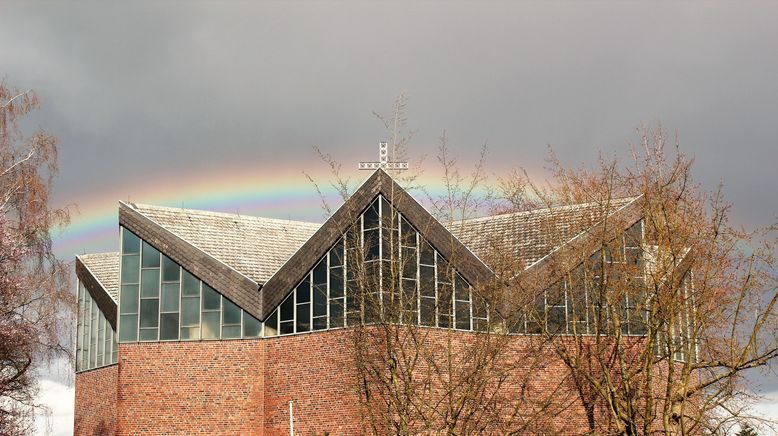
<point>181,87</point>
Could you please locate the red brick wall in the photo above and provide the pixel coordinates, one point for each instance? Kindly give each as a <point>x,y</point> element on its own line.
<point>312,370</point>
<point>209,387</point>
<point>95,412</point>
<point>244,386</point>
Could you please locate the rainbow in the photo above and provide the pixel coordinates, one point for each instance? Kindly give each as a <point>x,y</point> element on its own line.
<point>283,193</point>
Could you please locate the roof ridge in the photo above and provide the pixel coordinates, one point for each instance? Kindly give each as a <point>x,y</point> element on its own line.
<point>139,206</point>
<point>95,276</point>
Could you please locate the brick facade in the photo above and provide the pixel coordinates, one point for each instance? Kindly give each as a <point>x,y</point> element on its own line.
<point>243,387</point>
<point>95,412</point>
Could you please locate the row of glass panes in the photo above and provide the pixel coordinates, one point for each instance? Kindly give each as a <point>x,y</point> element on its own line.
<point>95,338</point>
<point>439,303</point>
<point>161,301</point>
<point>569,308</point>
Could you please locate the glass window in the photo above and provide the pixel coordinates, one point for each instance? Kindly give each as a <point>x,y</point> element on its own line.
<point>150,256</point>
<point>252,328</point>
<point>129,328</point>
<point>170,295</point>
<point>211,324</point>
<point>169,326</point>
<point>211,298</point>
<point>271,324</point>
<point>149,287</point>
<point>190,285</point>
<point>231,312</point>
<point>130,242</point>
<point>149,313</point>
<point>128,299</point>
<point>171,272</point>
<point>130,269</point>
<point>190,311</point>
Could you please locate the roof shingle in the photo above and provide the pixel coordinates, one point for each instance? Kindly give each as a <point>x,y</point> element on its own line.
<point>256,247</point>
<point>529,236</point>
<point>105,268</point>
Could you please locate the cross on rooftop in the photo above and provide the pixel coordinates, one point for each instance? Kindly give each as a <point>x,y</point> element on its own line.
<point>383,163</point>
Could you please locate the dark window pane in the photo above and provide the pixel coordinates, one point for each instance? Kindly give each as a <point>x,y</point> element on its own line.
<point>479,307</point>
<point>336,282</point>
<point>408,234</point>
<point>427,282</point>
<point>461,288</point>
<point>336,313</point>
<point>190,285</point>
<point>149,313</point>
<point>251,326</point>
<point>190,333</point>
<point>409,295</point>
<point>170,297</point>
<point>463,315</point>
<point>129,299</point>
<point>320,323</point>
<point>409,263</point>
<point>231,312</point>
<point>171,272</point>
<point>371,215</point>
<point>148,334</point>
<point>287,309</point>
<point>372,305</point>
<point>149,283</point>
<point>150,256</point>
<point>168,329</point>
<point>190,311</point>
<point>287,328</point>
<point>555,294</point>
<point>320,273</point>
<point>211,298</point>
<point>271,324</point>
<point>556,319</point>
<point>130,242</point>
<point>426,253</point>
<point>304,291</point>
<point>427,311</point>
<point>444,298</point>
<point>633,237</point>
<point>303,317</point>
<point>129,328</point>
<point>372,277</point>
<point>130,269</point>
<point>388,215</point>
<point>444,270</point>
<point>319,300</point>
<point>480,325</point>
<point>231,332</point>
<point>210,325</point>
<point>445,321</point>
<point>336,254</point>
<point>371,244</point>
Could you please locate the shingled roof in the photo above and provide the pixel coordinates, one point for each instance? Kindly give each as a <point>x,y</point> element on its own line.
<point>256,247</point>
<point>105,269</point>
<point>530,235</point>
<point>99,273</point>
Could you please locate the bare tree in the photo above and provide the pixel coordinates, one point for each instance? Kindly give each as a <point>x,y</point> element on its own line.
<point>641,314</point>
<point>35,303</point>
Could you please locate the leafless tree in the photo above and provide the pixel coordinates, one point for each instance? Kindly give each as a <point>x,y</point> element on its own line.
<point>35,303</point>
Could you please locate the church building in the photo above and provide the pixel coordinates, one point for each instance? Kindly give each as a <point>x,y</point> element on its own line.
<point>216,323</point>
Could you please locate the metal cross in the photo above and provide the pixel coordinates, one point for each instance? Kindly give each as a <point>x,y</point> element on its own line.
<point>383,154</point>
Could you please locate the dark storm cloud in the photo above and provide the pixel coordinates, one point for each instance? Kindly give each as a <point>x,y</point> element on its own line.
<point>144,89</point>
<point>182,87</point>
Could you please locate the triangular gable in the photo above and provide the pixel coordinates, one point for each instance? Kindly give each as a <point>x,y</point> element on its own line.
<point>461,258</point>
<point>569,255</point>
<point>101,296</point>
<point>226,280</point>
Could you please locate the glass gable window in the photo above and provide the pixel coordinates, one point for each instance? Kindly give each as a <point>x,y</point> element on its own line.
<point>161,301</point>
<point>575,305</point>
<point>382,267</point>
<point>95,338</point>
